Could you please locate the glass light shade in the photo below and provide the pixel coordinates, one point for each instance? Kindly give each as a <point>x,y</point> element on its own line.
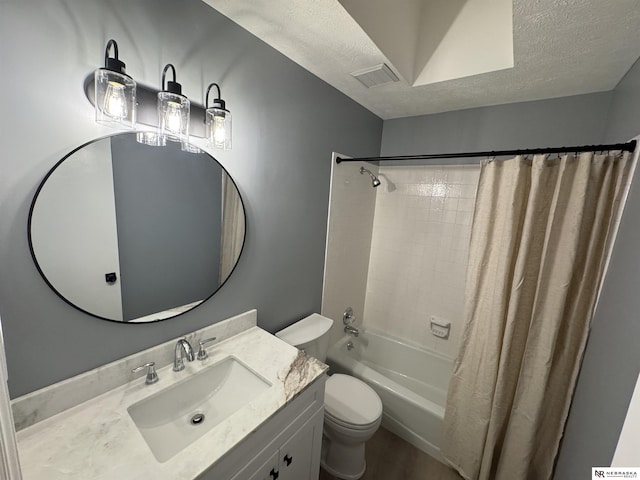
<point>189,148</point>
<point>173,116</point>
<point>151,138</point>
<point>115,98</point>
<point>219,128</point>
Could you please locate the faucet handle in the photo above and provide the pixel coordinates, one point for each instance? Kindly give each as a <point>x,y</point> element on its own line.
<point>152,376</point>
<point>348,317</point>
<point>202,352</point>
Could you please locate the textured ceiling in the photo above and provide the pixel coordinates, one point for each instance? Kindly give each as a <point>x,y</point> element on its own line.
<point>560,48</point>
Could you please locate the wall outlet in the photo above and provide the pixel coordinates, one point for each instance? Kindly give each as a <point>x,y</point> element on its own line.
<point>440,327</point>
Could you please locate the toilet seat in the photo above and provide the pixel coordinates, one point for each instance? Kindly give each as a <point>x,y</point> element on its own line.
<point>351,403</point>
<point>350,426</point>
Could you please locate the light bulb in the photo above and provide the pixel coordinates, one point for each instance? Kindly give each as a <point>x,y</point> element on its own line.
<point>115,102</point>
<point>219,128</point>
<point>219,131</point>
<point>173,116</point>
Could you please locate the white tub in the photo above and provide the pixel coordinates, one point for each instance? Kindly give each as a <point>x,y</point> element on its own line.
<point>412,383</point>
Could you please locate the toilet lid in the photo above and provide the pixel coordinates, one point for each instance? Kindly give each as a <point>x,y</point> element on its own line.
<point>351,400</point>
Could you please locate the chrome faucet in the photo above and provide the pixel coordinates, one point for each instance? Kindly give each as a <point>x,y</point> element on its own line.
<point>351,330</point>
<point>182,346</point>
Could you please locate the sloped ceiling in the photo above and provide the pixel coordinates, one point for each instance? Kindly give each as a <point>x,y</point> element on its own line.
<point>451,54</point>
<point>430,41</point>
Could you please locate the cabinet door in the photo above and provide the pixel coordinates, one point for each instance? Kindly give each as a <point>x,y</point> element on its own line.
<point>300,454</point>
<point>267,471</point>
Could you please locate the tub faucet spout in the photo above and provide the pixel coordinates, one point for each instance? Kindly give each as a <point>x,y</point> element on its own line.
<point>348,329</point>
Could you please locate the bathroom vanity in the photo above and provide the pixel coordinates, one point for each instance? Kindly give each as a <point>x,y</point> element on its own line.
<point>252,410</point>
<point>287,447</point>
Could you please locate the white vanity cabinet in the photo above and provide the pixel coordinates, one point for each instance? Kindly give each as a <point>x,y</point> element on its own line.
<point>297,459</point>
<point>285,447</point>
<point>300,455</point>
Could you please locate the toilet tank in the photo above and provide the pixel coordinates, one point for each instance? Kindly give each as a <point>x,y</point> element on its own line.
<point>310,334</point>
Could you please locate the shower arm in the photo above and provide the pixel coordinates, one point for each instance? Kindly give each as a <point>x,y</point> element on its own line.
<point>374,180</point>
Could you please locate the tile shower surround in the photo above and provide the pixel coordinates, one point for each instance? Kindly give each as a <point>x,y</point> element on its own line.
<point>351,211</point>
<point>419,251</point>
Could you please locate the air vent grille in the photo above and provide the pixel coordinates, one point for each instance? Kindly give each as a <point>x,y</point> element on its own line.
<point>375,76</point>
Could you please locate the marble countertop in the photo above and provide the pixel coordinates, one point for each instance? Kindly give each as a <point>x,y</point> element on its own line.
<point>97,439</point>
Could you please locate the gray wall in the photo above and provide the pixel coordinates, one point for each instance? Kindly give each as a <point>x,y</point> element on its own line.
<point>561,121</point>
<point>610,366</point>
<point>612,358</point>
<point>624,117</point>
<point>286,124</point>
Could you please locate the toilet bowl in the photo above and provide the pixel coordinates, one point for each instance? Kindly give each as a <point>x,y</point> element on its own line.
<point>353,410</point>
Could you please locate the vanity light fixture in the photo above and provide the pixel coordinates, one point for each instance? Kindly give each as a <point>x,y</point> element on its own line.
<point>218,121</point>
<point>115,92</point>
<point>119,101</point>
<point>173,109</point>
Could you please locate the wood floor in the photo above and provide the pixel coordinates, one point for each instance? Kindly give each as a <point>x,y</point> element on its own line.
<point>391,458</point>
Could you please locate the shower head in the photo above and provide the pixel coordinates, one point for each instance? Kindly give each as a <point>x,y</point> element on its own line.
<point>374,180</point>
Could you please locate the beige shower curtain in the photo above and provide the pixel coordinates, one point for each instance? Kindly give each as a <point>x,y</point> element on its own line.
<point>541,233</point>
<point>232,237</point>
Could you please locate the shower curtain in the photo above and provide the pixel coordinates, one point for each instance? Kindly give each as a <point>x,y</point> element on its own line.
<point>541,233</point>
<point>232,228</point>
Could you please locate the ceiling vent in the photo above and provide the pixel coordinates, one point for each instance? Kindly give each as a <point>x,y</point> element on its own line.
<point>376,76</point>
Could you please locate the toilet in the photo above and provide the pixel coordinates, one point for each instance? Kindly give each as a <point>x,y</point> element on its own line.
<point>352,409</point>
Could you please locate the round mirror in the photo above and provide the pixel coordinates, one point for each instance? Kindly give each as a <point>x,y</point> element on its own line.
<point>130,232</point>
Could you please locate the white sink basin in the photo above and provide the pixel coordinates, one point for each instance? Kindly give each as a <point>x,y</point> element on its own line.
<point>173,418</point>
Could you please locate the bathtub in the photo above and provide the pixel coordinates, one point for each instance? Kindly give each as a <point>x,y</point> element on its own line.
<point>412,383</point>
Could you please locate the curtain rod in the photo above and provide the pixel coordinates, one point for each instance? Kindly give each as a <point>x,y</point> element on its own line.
<point>625,147</point>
